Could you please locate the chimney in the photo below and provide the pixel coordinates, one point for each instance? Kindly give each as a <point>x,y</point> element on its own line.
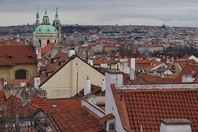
<point>5,84</point>
<point>71,52</point>
<point>132,70</point>
<point>38,53</point>
<point>175,125</point>
<point>37,81</point>
<point>90,62</point>
<point>113,77</point>
<point>87,86</point>
<point>103,85</point>
<point>23,84</point>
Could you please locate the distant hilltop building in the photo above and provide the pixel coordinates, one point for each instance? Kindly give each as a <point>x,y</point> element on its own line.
<point>46,33</point>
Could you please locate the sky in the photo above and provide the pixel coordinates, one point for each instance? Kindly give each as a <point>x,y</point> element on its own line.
<point>102,12</point>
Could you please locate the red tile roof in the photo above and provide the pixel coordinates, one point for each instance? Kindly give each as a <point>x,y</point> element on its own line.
<point>2,96</point>
<point>77,120</point>
<point>153,64</point>
<point>18,54</point>
<point>47,48</point>
<point>43,104</point>
<point>16,81</point>
<point>188,69</point>
<point>142,63</point>
<point>4,62</point>
<point>65,104</point>
<point>13,106</point>
<point>154,79</point>
<point>147,107</point>
<point>107,117</point>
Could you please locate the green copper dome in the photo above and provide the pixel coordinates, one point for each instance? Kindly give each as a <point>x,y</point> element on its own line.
<point>46,29</point>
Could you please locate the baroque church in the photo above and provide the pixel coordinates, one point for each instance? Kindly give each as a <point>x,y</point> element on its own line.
<point>46,33</point>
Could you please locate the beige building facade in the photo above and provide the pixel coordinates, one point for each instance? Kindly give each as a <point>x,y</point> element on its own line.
<point>69,80</point>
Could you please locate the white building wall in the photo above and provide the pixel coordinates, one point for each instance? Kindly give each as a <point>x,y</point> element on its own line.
<point>110,106</point>
<point>175,128</point>
<point>94,108</point>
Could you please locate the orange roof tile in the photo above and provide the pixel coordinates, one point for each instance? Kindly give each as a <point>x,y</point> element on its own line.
<point>47,48</point>
<point>154,79</point>
<point>13,54</point>
<point>77,119</point>
<point>142,63</point>
<point>188,69</point>
<point>65,104</point>
<point>153,64</point>
<point>2,96</point>
<point>16,81</point>
<point>107,117</point>
<point>147,107</point>
<point>43,104</point>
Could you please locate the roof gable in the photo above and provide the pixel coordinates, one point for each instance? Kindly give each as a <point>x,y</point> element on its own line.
<point>188,69</point>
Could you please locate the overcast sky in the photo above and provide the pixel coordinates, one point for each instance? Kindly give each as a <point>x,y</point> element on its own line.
<point>100,12</point>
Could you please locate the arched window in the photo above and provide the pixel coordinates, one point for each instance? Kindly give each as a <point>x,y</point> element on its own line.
<point>48,41</point>
<point>20,74</point>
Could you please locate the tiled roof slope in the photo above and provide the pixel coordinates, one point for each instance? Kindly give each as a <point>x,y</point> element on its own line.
<point>65,104</point>
<point>188,69</point>
<point>43,104</point>
<point>77,120</point>
<point>18,54</point>
<point>2,96</point>
<point>47,48</point>
<point>154,79</point>
<point>4,62</point>
<point>147,107</point>
<point>13,105</point>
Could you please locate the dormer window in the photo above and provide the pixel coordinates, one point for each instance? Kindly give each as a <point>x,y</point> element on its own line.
<point>9,55</point>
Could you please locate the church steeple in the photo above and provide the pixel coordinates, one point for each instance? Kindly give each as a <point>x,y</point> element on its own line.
<point>37,17</point>
<point>57,24</point>
<point>45,18</point>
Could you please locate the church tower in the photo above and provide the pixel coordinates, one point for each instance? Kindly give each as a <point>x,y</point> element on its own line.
<point>57,24</point>
<point>37,17</point>
<point>45,20</point>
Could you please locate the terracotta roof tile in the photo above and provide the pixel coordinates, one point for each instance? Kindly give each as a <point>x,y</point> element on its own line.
<point>43,104</point>
<point>13,54</point>
<point>2,96</point>
<point>147,107</point>
<point>14,105</point>
<point>77,119</point>
<point>188,69</point>
<point>154,79</point>
<point>107,117</point>
<point>47,48</point>
<point>4,62</point>
<point>16,81</point>
<point>65,104</point>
